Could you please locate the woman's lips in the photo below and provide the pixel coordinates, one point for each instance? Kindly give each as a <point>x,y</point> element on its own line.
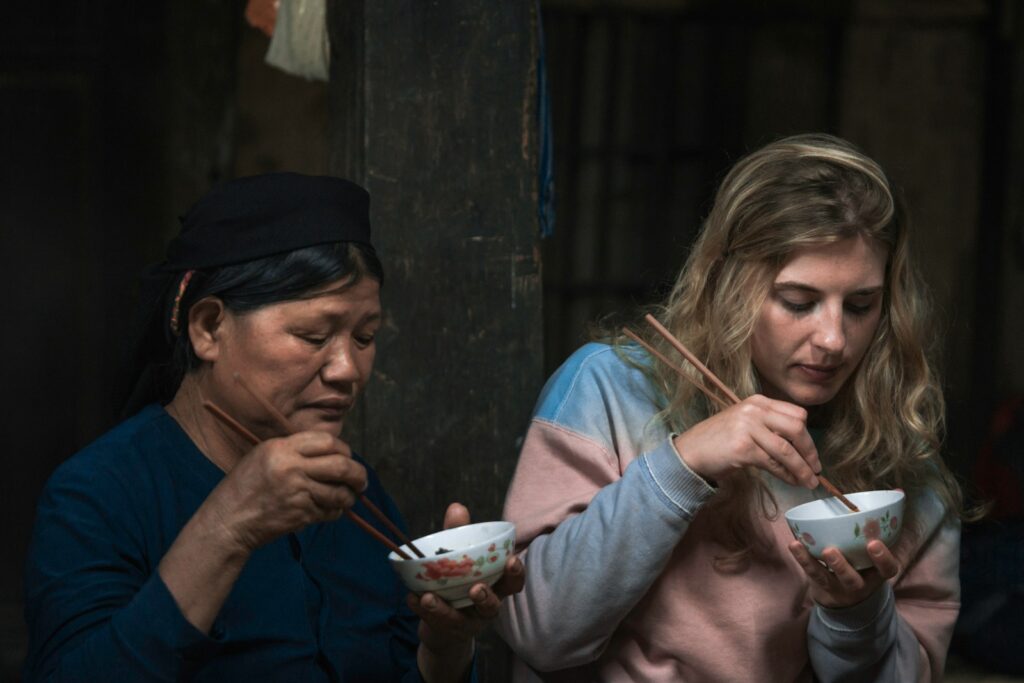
<point>336,407</point>
<point>817,373</point>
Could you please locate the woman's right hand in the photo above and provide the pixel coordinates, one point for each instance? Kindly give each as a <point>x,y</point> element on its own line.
<point>280,486</point>
<point>758,431</point>
<point>285,484</point>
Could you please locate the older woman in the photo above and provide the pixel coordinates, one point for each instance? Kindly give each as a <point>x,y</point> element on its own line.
<point>651,518</point>
<point>170,548</point>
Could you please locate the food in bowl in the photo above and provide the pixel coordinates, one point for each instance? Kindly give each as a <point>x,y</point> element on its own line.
<point>474,553</point>
<point>826,523</point>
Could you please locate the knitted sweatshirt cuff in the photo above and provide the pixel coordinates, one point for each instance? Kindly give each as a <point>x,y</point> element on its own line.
<point>877,608</point>
<point>683,487</point>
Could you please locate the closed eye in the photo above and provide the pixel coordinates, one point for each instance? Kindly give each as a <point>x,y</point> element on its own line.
<point>858,310</point>
<point>863,303</point>
<point>797,307</point>
<point>312,339</point>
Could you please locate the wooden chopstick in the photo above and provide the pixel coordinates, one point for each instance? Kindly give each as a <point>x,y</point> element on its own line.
<point>239,429</point>
<point>715,398</point>
<point>286,426</point>
<point>694,361</point>
<point>711,377</point>
<point>231,422</point>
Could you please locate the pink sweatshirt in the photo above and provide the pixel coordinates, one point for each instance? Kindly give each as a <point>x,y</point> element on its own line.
<point>620,582</point>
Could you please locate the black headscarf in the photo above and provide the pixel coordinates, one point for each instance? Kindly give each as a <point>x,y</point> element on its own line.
<point>250,218</point>
<point>241,220</point>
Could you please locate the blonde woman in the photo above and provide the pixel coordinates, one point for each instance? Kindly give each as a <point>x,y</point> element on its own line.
<point>651,520</point>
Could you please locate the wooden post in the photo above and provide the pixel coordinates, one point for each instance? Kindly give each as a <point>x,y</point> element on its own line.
<point>433,109</point>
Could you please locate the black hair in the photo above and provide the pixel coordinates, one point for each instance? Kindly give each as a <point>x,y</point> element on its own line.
<point>244,287</point>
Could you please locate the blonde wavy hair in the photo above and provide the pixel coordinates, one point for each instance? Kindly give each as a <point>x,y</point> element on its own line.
<point>884,428</point>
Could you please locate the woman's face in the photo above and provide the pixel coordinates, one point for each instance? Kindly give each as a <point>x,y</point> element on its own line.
<point>819,320</point>
<point>309,358</point>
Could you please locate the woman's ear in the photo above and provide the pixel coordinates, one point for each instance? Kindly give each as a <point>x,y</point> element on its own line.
<point>206,327</point>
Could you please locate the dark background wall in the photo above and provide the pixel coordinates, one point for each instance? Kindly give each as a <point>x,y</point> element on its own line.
<point>116,115</point>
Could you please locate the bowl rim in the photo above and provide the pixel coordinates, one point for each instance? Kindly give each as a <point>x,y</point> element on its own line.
<point>506,528</point>
<point>794,513</point>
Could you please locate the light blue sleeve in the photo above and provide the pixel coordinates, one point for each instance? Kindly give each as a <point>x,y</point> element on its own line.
<point>589,571</point>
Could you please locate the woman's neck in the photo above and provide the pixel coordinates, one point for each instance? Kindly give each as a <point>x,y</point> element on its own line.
<point>220,445</point>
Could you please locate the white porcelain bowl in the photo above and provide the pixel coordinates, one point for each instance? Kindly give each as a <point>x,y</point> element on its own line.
<point>825,523</point>
<point>456,559</point>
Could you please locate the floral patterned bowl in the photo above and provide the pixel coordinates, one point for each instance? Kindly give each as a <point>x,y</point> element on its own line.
<point>456,559</point>
<point>824,523</point>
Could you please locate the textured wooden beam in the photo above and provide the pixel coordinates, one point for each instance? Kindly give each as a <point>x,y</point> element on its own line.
<point>434,109</point>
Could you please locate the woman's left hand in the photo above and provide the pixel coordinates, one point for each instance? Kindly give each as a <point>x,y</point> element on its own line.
<point>446,633</point>
<point>840,585</point>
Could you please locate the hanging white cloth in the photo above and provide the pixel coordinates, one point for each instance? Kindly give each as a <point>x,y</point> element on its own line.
<point>299,44</point>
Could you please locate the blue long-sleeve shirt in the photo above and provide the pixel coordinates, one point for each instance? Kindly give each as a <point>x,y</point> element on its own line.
<point>322,604</point>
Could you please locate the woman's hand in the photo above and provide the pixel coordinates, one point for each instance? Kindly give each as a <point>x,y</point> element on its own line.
<point>839,584</point>
<point>280,486</point>
<point>446,633</point>
<point>285,484</point>
<point>759,432</point>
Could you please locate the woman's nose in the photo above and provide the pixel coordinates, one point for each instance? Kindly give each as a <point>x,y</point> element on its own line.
<point>829,334</point>
<point>340,366</point>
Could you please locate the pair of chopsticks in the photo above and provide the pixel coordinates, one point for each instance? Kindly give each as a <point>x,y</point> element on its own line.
<point>711,377</point>
<point>286,427</point>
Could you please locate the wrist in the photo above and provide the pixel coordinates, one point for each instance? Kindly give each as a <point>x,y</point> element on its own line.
<point>686,456</point>
<point>214,525</point>
<point>450,663</point>
<point>860,615</point>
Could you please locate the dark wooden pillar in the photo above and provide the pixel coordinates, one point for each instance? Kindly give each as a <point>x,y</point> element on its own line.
<point>433,109</point>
